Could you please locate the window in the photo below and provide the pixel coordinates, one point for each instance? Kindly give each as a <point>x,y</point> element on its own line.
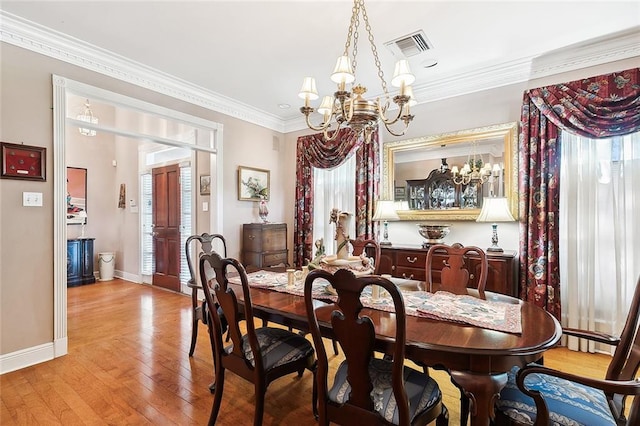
<point>599,231</point>
<point>333,188</point>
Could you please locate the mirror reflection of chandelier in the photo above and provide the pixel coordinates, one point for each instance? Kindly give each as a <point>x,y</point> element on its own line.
<point>474,170</point>
<point>88,117</point>
<point>350,108</point>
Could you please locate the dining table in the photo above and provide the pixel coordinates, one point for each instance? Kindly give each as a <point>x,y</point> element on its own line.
<point>477,358</point>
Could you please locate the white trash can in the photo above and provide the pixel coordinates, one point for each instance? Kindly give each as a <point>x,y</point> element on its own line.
<point>107,265</point>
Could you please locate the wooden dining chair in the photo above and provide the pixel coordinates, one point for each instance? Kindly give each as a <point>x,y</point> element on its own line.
<point>454,277</point>
<point>261,355</point>
<point>537,395</point>
<point>456,271</point>
<point>370,247</point>
<point>367,390</point>
<point>205,242</point>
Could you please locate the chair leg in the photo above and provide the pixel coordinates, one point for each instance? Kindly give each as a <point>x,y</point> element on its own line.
<point>314,397</point>
<point>335,347</point>
<point>464,408</point>
<point>443,418</point>
<point>217,397</point>
<point>261,389</point>
<point>196,313</point>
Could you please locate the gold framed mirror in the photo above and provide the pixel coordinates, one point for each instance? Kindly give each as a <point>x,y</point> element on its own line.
<point>428,174</point>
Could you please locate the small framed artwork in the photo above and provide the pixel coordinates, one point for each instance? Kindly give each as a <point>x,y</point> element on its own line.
<point>400,193</point>
<point>253,184</point>
<point>23,162</point>
<point>205,185</point>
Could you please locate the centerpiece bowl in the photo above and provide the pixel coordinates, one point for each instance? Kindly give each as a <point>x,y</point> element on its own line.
<point>433,233</point>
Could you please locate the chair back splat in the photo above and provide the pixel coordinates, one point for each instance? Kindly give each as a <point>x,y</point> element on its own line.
<point>206,242</point>
<point>367,390</point>
<point>260,356</point>
<point>456,272</point>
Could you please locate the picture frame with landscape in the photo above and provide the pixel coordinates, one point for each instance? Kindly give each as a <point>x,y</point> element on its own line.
<point>253,184</point>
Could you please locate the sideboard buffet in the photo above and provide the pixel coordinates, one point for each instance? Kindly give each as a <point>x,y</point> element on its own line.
<point>409,262</point>
<point>80,262</point>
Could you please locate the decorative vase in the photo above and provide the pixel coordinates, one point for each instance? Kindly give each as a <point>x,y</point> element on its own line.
<point>263,210</point>
<point>342,221</point>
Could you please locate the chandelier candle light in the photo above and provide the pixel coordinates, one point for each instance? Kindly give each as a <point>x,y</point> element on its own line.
<point>349,108</point>
<point>495,209</point>
<point>474,170</point>
<point>88,117</point>
<point>385,211</point>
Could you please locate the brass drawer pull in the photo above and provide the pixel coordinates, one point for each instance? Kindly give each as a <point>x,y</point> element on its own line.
<point>410,277</point>
<point>471,276</point>
<point>251,237</point>
<point>412,260</point>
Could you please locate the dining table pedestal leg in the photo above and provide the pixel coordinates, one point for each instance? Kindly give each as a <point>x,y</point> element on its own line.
<point>482,391</point>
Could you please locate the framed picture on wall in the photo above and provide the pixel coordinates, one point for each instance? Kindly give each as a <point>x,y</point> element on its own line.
<point>23,162</point>
<point>76,196</point>
<point>205,185</point>
<point>253,184</point>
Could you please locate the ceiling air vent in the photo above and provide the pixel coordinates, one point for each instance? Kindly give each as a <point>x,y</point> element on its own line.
<point>409,45</point>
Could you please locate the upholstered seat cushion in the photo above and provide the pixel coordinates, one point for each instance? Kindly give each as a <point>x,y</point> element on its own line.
<point>278,346</point>
<point>569,403</point>
<point>422,390</point>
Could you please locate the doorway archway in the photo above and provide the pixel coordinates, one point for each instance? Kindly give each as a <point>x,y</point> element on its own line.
<point>209,141</point>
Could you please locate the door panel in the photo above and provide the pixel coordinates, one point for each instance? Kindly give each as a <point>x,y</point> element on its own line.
<point>166,226</point>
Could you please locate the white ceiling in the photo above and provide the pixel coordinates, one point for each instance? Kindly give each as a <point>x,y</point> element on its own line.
<point>257,53</point>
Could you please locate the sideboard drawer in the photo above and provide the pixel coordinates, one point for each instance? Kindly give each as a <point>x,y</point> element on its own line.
<point>411,259</point>
<point>274,258</point>
<point>410,273</point>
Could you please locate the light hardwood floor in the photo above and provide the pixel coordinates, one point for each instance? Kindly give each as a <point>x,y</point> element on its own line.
<point>128,364</point>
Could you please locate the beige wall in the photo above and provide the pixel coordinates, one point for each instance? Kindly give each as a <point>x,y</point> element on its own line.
<point>26,233</point>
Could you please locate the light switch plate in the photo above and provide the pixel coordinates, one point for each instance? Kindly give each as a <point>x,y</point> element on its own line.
<point>205,206</point>
<point>32,199</point>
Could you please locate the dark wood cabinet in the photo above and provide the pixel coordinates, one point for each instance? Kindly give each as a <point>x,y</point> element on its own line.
<point>80,262</point>
<point>264,244</point>
<point>409,263</point>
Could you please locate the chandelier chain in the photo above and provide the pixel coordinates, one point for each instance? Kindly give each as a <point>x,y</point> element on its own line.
<point>374,50</point>
<point>355,35</point>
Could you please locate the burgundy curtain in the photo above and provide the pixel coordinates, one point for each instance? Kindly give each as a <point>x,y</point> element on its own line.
<point>603,106</point>
<point>314,151</point>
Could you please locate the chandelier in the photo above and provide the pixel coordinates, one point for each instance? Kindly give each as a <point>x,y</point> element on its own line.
<point>88,117</point>
<point>474,170</point>
<point>349,108</point>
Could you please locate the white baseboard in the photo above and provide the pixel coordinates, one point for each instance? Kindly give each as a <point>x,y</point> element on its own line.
<point>28,357</point>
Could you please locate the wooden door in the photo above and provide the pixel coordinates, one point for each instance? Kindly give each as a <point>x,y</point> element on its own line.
<point>166,226</point>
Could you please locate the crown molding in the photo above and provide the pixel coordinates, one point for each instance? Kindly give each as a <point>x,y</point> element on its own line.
<point>37,38</point>
<point>620,46</point>
<point>28,35</point>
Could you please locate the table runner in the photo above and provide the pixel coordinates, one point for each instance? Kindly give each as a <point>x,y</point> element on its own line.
<point>441,305</point>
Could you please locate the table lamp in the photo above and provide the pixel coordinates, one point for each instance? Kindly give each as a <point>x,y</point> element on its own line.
<point>385,211</point>
<point>495,209</point>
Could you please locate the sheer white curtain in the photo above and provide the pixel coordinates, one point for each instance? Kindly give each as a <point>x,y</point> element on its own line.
<point>599,233</point>
<point>333,188</point>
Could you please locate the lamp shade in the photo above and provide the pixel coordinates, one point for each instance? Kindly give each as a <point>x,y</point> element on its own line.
<point>308,89</point>
<point>343,72</point>
<point>495,209</point>
<point>402,75</point>
<point>385,210</point>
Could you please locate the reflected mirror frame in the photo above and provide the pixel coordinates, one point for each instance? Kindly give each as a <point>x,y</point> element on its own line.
<point>508,132</point>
